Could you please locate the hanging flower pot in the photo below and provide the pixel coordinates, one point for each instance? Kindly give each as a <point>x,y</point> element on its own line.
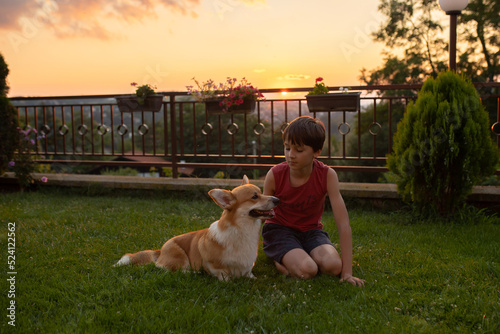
<point>144,99</point>
<point>227,97</point>
<point>213,107</point>
<point>216,106</point>
<point>334,102</point>
<point>319,99</point>
<point>131,103</point>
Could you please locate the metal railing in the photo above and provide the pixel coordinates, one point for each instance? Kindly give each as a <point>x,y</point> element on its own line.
<point>90,130</point>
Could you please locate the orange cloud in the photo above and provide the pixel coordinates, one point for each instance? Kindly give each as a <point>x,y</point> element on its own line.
<point>70,18</point>
<point>11,11</point>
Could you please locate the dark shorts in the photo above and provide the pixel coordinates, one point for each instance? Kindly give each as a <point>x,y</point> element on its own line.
<point>279,240</point>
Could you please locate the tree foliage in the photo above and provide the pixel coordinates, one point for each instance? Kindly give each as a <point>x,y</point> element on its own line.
<point>442,146</point>
<point>416,28</point>
<point>480,26</point>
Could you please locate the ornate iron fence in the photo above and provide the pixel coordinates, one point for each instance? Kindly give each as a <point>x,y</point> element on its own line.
<point>91,130</point>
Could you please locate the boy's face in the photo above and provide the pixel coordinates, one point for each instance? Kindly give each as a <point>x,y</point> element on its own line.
<point>299,156</point>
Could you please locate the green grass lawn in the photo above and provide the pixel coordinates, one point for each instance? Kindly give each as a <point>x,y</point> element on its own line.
<point>423,275</point>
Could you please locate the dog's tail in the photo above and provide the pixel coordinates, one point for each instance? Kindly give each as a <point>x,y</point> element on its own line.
<point>142,257</point>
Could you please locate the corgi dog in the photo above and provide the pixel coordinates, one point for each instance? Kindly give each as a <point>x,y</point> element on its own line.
<point>228,248</point>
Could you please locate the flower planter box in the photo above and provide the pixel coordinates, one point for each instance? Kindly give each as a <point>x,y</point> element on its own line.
<point>130,103</point>
<point>213,107</point>
<point>334,102</point>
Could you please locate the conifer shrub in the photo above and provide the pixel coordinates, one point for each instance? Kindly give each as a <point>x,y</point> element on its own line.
<point>442,146</point>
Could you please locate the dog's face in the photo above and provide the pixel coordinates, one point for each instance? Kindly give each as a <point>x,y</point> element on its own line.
<point>250,201</point>
<point>246,200</point>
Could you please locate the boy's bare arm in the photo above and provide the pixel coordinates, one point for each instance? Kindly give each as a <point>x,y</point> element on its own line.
<point>269,184</point>
<point>344,228</point>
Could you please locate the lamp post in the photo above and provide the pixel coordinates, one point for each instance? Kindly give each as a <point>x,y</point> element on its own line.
<point>453,8</point>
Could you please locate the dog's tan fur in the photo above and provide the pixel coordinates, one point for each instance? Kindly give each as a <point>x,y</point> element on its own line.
<point>228,248</point>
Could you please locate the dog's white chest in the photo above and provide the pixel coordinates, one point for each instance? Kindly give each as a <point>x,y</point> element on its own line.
<point>240,245</point>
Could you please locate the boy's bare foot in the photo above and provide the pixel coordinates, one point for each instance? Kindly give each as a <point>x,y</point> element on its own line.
<point>282,269</point>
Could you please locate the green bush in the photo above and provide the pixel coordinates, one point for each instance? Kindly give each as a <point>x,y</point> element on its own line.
<point>16,145</point>
<point>23,164</point>
<point>9,137</point>
<point>442,146</point>
<point>4,71</point>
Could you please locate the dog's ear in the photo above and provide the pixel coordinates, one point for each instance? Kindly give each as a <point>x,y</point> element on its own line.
<point>223,198</point>
<point>245,180</point>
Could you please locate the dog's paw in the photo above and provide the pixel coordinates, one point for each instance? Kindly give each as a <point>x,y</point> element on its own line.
<point>224,277</point>
<point>125,260</point>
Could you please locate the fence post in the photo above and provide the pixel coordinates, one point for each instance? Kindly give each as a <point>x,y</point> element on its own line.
<point>173,136</point>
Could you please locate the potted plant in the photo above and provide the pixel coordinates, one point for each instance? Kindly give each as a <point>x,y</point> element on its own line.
<point>144,99</point>
<point>227,97</point>
<point>319,99</point>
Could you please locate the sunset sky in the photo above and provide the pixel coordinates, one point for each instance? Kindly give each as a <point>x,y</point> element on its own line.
<point>77,47</point>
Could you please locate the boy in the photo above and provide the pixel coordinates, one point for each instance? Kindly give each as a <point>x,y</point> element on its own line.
<point>294,238</point>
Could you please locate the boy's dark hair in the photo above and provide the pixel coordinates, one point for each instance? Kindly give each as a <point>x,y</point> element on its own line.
<point>306,130</point>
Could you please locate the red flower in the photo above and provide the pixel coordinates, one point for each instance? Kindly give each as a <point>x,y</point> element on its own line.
<point>318,79</point>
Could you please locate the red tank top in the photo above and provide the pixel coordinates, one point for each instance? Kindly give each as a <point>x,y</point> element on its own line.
<point>300,207</point>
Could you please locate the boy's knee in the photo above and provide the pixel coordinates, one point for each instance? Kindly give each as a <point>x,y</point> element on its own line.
<point>331,266</point>
<point>306,269</point>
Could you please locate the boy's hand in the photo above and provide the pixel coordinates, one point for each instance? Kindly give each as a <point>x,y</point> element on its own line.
<point>353,280</point>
